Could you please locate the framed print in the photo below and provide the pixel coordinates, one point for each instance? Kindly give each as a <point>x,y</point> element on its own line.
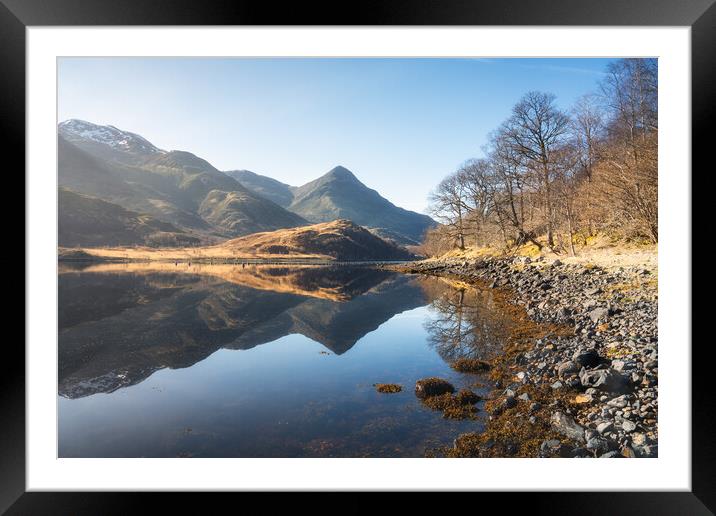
<point>431,247</point>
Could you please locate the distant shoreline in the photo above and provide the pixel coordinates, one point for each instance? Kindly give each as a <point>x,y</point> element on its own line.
<point>82,256</point>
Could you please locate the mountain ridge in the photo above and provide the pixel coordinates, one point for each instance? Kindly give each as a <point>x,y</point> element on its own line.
<point>176,187</point>
<point>188,192</point>
<point>339,194</point>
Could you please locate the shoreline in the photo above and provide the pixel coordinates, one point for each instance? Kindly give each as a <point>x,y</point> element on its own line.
<point>581,378</point>
<point>82,256</point>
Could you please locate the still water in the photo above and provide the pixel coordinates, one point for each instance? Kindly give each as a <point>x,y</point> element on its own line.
<point>158,360</point>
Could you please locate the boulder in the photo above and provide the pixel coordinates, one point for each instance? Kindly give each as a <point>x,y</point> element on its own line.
<point>432,387</point>
<point>587,358</point>
<point>568,368</point>
<point>604,379</point>
<point>565,425</point>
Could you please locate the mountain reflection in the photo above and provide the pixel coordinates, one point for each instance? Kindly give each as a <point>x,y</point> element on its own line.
<point>120,323</point>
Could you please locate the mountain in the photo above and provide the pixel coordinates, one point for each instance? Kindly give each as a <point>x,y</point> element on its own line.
<point>340,195</point>
<point>266,187</point>
<point>82,132</point>
<point>175,187</point>
<point>85,220</point>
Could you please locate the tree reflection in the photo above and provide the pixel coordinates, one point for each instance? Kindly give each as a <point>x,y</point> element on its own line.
<point>465,323</point>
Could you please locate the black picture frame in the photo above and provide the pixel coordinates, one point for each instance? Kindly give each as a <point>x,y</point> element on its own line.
<point>16,15</point>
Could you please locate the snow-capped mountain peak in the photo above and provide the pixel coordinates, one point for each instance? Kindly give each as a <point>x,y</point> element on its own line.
<point>107,135</point>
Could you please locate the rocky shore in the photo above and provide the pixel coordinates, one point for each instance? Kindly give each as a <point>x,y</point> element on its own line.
<point>587,390</point>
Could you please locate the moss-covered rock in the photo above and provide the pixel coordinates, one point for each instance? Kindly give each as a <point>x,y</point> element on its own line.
<point>432,387</point>
<point>470,365</point>
<point>388,388</point>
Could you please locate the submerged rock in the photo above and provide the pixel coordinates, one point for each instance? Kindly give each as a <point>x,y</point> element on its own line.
<point>470,365</point>
<point>432,387</point>
<point>388,388</point>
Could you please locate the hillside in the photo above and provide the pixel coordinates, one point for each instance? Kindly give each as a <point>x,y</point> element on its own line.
<point>339,240</point>
<point>266,187</point>
<point>85,220</point>
<point>175,187</point>
<point>340,195</point>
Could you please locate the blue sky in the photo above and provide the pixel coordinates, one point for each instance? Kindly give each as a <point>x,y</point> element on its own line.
<point>400,125</point>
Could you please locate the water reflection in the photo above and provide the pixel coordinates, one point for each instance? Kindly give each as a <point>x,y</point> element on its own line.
<point>149,362</point>
<point>466,324</point>
<point>116,327</point>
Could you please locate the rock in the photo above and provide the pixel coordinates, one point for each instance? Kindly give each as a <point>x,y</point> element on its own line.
<point>554,447</point>
<point>619,402</point>
<point>604,371</point>
<point>647,451</point>
<point>566,425</point>
<point>604,379</point>
<point>598,444</point>
<point>470,365</point>
<point>388,388</point>
<point>580,399</point>
<point>567,368</point>
<point>638,439</point>
<point>432,387</point>
<point>621,365</point>
<point>580,453</point>
<point>550,445</point>
<point>574,382</point>
<point>587,358</point>
<point>589,303</point>
<point>628,452</point>
<point>598,314</point>
<point>605,427</point>
<point>509,402</point>
<point>628,426</point>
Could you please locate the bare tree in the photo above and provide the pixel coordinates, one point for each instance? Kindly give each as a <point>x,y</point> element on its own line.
<point>447,204</point>
<point>510,179</point>
<point>587,125</point>
<point>628,167</point>
<point>553,174</point>
<point>535,130</point>
<point>476,180</point>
